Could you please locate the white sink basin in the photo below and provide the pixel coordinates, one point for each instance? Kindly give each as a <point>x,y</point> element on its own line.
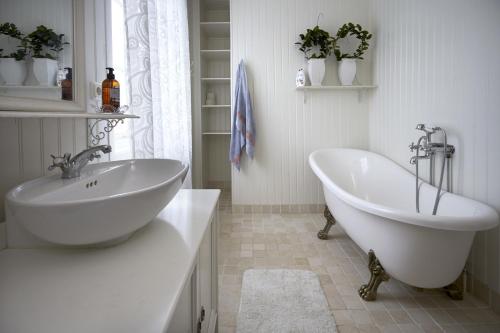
<point>107,203</point>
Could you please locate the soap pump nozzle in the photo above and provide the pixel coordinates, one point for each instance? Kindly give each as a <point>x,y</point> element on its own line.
<point>69,73</point>
<point>110,75</point>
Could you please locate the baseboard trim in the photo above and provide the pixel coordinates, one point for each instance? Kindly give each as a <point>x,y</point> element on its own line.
<point>483,292</point>
<point>278,209</point>
<point>3,235</point>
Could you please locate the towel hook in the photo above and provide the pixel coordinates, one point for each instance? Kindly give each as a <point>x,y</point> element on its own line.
<point>317,20</point>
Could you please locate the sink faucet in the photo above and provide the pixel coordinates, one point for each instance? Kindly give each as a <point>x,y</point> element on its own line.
<point>71,167</point>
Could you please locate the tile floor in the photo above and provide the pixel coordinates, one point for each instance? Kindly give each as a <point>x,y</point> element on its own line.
<point>289,241</point>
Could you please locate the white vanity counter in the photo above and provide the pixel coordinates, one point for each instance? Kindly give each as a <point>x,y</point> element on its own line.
<point>132,287</point>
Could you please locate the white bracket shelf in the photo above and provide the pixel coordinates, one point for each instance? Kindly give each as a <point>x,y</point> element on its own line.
<point>361,89</point>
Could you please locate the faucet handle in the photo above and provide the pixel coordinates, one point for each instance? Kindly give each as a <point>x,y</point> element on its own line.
<point>59,161</point>
<point>412,146</point>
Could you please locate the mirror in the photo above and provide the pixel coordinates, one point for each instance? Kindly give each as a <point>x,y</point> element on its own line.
<point>41,60</point>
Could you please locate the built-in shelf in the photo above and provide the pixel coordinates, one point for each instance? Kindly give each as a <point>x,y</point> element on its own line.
<point>361,89</point>
<point>216,79</point>
<point>61,114</point>
<point>216,133</point>
<point>216,54</point>
<point>337,87</point>
<point>215,29</point>
<point>223,106</point>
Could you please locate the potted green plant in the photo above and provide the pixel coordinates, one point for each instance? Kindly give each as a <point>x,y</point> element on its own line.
<point>317,45</point>
<point>347,62</point>
<point>44,46</point>
<point>13,65</point>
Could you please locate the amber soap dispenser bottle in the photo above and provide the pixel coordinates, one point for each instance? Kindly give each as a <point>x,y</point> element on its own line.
<point>110,92</point>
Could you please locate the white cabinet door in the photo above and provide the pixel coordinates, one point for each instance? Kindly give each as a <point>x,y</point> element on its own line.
<point>208,278</point>
<point>205,279</point>
<point>196,310</point>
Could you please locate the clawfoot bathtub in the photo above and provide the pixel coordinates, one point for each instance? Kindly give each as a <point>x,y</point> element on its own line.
<point>373,199</point>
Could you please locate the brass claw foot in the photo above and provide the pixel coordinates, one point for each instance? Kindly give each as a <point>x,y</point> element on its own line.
<point>368,291</point>
<point>456,289</point>
<point>330,220</point>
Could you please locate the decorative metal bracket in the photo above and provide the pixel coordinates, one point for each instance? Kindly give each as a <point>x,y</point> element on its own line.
<point>330,221</point>
<point>96,134</point>
<point>368,292</point>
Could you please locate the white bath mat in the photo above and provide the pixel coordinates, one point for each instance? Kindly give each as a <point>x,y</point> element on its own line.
<point>283,300</point>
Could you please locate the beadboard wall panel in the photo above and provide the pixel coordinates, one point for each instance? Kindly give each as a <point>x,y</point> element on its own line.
<point>436,63</point>
<point>26,145</point>
<point>263,34</point>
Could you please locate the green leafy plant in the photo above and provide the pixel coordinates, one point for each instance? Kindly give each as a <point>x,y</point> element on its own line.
<point>43,40</point>
<point>11,30</point>
<point>350,29</point>
<point>316,43</point>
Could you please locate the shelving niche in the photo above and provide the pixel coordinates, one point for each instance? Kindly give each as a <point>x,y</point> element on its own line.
<point>215,77</point>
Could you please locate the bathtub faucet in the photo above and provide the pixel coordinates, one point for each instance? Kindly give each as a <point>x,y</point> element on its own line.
<point>430,149</point>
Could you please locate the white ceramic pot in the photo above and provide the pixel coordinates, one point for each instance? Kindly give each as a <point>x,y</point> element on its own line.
<point>316,71</point>
<point>347,71</point>
<point>13,72</point>
<point>45,71</point>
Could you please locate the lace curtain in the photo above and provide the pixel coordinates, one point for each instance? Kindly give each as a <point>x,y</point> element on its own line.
<point>159,78</point>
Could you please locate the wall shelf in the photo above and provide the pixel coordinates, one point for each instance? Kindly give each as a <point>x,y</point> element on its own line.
<point>216,79</point>
<point>61,114</point>
<point>30,87</point>
<point>215,29</point>
<point>355,87</point>
<point>216,133</point>
<point>216,54</point>
<point>223,106</point>
<point>361,89</point>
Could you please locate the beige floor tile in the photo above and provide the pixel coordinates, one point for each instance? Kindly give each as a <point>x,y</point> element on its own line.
<point>368,328</point>
<point>400,317</point>
<point>410,328</point>
<point>343,317</point>
<point>347,329</point>
<point>453,328</point>
<point>266,240</point>
<point>381,317</point>
<point>361,317</point>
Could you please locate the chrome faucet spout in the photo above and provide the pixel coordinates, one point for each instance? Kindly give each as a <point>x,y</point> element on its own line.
<point>71,167</point>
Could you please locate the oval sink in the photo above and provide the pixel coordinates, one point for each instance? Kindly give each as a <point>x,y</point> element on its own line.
<point>107,203</point>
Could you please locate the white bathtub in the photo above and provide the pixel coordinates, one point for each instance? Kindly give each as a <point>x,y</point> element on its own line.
<point>373,199</point>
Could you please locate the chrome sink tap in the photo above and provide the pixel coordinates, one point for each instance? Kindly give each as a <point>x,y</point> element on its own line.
<point>71,167</point>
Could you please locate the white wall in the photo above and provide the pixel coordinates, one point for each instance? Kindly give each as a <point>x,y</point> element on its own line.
<point>438,63</point>
<point>263,34</point>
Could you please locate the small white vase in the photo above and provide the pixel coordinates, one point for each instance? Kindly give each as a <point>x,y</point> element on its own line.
<point>316,71</point>
<point>347,71</point>
<point>13,72</point>
<point>45,71</point>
